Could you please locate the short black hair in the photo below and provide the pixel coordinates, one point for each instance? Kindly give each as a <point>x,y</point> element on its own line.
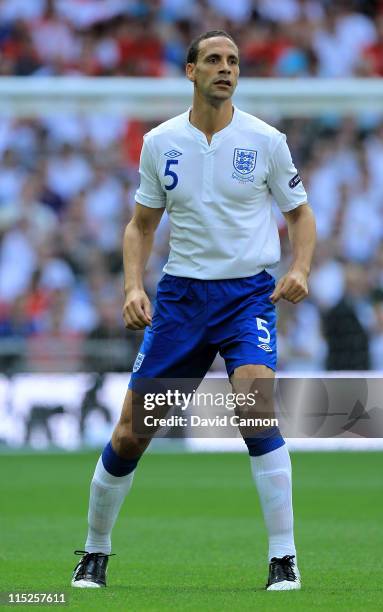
<point>192,53</point>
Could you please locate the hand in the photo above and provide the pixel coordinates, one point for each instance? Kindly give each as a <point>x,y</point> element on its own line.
<point>137,310</point>
<point>292,287</point>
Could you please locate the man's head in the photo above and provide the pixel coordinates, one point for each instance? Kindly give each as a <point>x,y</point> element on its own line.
<point>212,64</point>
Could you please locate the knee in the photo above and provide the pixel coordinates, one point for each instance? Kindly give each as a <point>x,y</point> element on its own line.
<point>126,444</point>
<point>258,379</point>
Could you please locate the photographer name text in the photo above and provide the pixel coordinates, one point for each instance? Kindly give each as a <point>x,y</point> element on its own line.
<point>194,420</point>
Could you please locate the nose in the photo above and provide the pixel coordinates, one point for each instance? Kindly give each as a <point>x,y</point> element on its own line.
<point>225,68</point>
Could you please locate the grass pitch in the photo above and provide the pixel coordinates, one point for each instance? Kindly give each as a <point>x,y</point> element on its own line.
<point>190,535</point>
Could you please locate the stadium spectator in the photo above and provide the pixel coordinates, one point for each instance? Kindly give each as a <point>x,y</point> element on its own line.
<point>12,176</point>
<point>263,49</point>
<point>53,38</point>
<point>346,324</point>
<point>340,39</point>
<point>372,61</point>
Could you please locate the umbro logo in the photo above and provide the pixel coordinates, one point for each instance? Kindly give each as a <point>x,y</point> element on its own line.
<point>265,347</point>
<point>173,153</point>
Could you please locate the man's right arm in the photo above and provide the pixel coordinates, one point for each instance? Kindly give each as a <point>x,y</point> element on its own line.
<point>137,246</point>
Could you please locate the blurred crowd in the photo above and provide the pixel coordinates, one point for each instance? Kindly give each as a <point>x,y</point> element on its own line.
<point>281,38</point>
<point>67,191</point>
<point>67,182</point>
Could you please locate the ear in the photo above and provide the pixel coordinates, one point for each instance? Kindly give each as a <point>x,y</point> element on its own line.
<point>189,70</point>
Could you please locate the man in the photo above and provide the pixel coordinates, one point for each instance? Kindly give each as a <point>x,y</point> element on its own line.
<point>211,168</point>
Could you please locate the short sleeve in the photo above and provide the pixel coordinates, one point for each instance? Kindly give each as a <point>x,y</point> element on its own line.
<point>283,179</point>
<point>150,192</point>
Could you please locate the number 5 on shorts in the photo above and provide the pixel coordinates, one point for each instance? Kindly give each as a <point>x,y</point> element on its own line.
<point>261,327</point>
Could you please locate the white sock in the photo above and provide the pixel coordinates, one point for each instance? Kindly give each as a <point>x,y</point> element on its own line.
<point>107,492</point>
<point>272,476</point>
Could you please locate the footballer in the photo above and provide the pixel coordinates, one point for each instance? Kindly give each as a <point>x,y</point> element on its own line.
<point>212,169</point>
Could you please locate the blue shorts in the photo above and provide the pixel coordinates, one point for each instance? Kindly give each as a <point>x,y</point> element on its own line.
<point>195,319</point>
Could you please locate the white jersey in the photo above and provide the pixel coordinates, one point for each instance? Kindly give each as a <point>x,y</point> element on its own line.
<point>218,196</point>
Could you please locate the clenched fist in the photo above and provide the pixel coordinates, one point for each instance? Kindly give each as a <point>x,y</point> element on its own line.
<point>292,287</point>
<point>137,309</point>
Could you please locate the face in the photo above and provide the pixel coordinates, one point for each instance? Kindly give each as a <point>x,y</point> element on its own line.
<point>215,73</point>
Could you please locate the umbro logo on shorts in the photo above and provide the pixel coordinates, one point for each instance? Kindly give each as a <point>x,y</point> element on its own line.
<point>265,347</point>
<point>139,359</point>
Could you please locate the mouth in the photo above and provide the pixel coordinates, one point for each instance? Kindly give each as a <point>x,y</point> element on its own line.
<point>223,82</point>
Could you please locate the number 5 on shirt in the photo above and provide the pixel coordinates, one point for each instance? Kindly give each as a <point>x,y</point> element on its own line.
<point>171,173</point>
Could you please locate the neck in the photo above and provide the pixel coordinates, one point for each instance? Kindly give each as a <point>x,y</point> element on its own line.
<point>210,117</point>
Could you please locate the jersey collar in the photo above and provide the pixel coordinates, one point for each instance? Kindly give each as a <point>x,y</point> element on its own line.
<point>218,136</point>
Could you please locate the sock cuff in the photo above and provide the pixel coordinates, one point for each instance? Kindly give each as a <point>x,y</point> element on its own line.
<point>265,442</point>
<point>116,465</point>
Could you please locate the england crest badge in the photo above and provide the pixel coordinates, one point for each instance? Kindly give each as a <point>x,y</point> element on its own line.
<point>139,359</point>
<point>244,161</point>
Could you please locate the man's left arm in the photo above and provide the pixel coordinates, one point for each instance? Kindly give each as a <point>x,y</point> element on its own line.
<point>293,286</point>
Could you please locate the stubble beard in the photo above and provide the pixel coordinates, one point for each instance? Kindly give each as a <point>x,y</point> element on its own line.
<point>214,100</point>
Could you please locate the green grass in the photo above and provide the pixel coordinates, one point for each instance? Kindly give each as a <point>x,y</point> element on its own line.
<point>190,536</point>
